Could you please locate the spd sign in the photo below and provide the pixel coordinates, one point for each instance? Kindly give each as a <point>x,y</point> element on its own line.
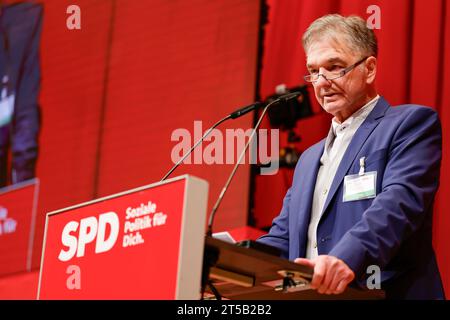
<point>145,243</point>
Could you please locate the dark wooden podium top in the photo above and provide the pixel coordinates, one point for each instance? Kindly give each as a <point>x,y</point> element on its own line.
<point>240,273</point>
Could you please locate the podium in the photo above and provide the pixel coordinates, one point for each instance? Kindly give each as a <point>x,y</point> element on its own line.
<point>145,243</point>
<point>149,243</point>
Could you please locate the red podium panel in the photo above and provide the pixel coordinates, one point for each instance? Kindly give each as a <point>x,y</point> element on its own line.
<point>17,221</point>
<point>146,243</point>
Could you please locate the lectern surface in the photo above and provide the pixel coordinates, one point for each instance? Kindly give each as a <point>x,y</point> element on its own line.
<point>247,274</point>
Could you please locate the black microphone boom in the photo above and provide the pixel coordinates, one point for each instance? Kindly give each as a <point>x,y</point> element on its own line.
<point>236,114</point>
<point>283,98</point>
<point>244,110</point>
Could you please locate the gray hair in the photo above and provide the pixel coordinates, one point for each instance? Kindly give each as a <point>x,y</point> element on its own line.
<point>353,28</point>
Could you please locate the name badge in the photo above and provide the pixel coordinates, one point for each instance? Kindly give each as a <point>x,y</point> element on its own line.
<point>360,186</point>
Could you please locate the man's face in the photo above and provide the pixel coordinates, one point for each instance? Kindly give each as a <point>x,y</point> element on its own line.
<point>343,96</point>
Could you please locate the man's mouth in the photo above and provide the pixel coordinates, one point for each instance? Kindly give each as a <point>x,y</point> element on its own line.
<point>330,95</point>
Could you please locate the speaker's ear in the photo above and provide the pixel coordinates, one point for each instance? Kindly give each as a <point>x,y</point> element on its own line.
<point>371,66</point>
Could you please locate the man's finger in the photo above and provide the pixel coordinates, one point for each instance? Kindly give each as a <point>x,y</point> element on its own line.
<point>344,283</point>
<point>319,274</point>
<point>327,281</point>
<point>305,262</point>
<point>338,277</point>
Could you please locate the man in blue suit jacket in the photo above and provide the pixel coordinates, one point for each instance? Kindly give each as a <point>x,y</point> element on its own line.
<point>362,199</point>
<point>20,30</point>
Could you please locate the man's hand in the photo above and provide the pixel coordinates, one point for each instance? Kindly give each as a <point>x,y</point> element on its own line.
<point>331,275</point>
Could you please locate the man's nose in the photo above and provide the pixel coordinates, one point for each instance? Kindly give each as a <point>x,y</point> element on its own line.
<point>322,82</point>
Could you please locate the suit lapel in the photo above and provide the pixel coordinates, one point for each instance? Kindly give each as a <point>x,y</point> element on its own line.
<point>354,147</point>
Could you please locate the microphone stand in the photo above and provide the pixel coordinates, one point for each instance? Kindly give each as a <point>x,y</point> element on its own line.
<point>283,99</point>
<point>211,255</point>
<point>234,115</point>
<point>195,145</point>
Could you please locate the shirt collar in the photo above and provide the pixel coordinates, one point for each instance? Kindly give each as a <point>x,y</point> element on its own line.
<point>362,112</point>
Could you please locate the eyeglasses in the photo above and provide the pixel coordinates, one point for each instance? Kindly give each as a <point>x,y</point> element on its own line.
<point>331,75</point>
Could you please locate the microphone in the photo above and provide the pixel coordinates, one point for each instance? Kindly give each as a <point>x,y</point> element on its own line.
<point>244,110</point>
<point>234,115</point>
<point>282,99</point>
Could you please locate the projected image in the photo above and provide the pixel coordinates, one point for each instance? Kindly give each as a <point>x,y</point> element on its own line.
<point>20,29</point>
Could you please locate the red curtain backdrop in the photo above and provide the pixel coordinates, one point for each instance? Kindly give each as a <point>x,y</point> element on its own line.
<point>413,68</point>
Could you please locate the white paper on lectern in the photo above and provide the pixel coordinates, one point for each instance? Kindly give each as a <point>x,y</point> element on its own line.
<point>224,236</point>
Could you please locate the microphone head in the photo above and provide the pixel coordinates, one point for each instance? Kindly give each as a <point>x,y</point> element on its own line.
<point>245,110</point>
<point>289,96</point>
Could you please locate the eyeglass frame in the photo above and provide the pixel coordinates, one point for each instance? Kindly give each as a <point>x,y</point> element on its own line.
<point>342,73</point>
